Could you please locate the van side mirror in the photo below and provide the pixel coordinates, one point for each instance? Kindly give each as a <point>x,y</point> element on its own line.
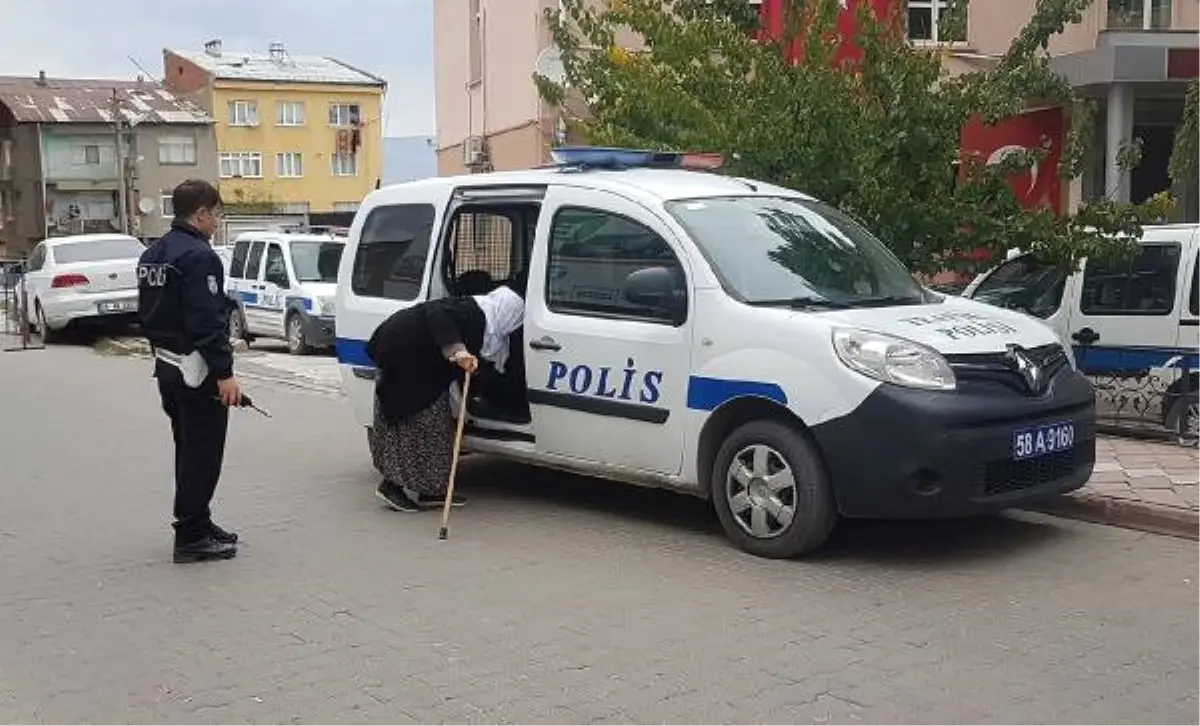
<point>657,289</point>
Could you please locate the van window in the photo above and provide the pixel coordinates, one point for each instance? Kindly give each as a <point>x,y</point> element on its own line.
<point>591,255</point>
<point>1142,286</point>
<point>276,268</point>
<point>1025,285</point>
<point>237,264</point>
<point>316,261</point>
<point>256,252</point>
<point>484,250</point>
<point>390,260</point>
<point>1194,298</point>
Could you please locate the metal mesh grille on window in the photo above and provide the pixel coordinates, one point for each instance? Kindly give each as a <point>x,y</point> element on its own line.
<point>484,242</point>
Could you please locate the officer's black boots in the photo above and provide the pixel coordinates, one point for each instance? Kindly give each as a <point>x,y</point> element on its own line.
<point>222,535</point>
<point>201,545</point>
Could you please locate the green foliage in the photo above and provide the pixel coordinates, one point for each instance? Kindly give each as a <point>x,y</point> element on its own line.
<point>879,139</point>
<point>1185,157</point>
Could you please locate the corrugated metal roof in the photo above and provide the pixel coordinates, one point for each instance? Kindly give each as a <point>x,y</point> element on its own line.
<point>283,68</point>
<point>78,101</point>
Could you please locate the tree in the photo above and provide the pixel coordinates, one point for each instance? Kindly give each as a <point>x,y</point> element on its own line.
<point>878,137</point>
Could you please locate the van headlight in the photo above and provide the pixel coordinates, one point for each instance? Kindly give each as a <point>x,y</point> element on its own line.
<point>327,305</point>
<point>893,360</point>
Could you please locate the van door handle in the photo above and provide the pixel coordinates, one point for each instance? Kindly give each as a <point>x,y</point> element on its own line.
<point>545,343</point>
<point>1086,336</point>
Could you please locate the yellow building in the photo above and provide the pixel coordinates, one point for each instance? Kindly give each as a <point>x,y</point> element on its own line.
<point>296,134</point>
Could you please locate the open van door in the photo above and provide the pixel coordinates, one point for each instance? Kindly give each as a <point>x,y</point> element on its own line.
<point>385,268</point>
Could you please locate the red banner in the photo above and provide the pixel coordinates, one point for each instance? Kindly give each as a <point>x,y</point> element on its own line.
<point>771,14</point>
<point>1041,185</point>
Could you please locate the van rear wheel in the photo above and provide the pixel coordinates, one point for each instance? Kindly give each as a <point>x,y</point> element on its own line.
<point>771,492</point>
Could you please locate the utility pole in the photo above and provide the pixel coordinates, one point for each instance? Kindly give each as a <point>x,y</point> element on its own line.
<point>122,192</point>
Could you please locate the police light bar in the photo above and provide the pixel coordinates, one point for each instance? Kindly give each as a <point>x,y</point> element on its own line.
<point>600,157</point>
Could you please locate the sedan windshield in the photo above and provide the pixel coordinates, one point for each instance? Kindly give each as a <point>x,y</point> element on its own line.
<point>316,261</point>
<point>101,250</point>
<point>794,252</point>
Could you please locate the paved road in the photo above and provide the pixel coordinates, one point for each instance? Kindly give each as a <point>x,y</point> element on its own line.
<point>556,599</point>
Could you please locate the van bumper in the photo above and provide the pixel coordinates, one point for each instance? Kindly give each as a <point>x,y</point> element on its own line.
<point>319,329</point>
<point>906,454</point>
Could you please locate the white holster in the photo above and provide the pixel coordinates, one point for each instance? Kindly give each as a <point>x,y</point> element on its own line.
<point>192,366</point>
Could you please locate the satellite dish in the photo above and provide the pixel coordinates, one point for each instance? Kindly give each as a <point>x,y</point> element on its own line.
<point>549,65</point>
<point>145,205</point>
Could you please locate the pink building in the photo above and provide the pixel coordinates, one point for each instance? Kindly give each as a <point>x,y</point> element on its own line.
<point>1134,56</point>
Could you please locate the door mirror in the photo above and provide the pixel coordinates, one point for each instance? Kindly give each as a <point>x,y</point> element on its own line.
<point>658,290</point>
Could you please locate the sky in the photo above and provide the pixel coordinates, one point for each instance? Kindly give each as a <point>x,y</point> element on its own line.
<point>89,39</point>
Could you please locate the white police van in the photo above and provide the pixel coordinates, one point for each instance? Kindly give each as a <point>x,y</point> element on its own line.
<point>723,337</point>
<point>1133,323</point>
<point>284,284</point>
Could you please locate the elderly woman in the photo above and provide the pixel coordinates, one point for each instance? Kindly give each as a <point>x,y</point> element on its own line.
<point>419,352</point>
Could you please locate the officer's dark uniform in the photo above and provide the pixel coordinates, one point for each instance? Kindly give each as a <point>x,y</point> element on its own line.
<point>183,308</point>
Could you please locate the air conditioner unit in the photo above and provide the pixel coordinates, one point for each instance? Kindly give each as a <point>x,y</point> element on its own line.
<point>474,152</point>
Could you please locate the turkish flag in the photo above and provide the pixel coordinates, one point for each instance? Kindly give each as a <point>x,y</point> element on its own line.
<point>771,14</point>
<point>1041,185</point>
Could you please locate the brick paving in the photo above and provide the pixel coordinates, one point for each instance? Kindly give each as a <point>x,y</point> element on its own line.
<point>557,599</point>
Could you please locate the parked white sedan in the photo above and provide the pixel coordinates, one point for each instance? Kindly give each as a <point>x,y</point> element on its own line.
<point>83,278</point>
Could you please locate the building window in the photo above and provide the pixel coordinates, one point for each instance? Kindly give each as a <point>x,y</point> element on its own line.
<point>344,114</point>
<point>244,164</point>
<point>345,164</point>
<point>929,21</point>
<point>85,155</point>
<point>1139,15</point>
<point>345,206</point>
<point>289,165</point>
<point>243,113</point>
<point>289,113</point>
<point>475,41</point>
<point>177,150</point>
<point>166,204</point>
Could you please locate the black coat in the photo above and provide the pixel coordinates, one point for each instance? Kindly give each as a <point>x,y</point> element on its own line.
<point>181,298</point>
<point>408,351</point>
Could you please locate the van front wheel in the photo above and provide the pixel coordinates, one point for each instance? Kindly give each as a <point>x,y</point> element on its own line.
<point>771,492</point>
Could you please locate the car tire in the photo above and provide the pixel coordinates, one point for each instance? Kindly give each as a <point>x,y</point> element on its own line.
<point>297,342</point>
<point>49,337</point>
<point>781,505</point>
<point>237,325</point>
<point>1183,420</point>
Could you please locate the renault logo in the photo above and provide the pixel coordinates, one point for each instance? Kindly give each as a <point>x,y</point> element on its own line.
<point>1033,374</point>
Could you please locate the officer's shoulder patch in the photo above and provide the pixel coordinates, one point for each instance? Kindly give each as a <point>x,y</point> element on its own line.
<point>212,284</point>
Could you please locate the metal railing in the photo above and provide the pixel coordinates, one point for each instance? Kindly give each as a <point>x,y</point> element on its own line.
<point>14,306</point>
<point>1157,401</point>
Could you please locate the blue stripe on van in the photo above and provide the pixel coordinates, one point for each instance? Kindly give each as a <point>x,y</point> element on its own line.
<point>707,394</point>
<point>1111,359</point>
<point>352,352</point>
<point>250,298</point>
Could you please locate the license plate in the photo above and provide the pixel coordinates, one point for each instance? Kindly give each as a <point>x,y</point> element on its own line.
<point>119,306</point>
<point>1038,441</point>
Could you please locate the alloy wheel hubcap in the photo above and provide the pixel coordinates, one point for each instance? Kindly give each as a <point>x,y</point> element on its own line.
<point>760,488</point>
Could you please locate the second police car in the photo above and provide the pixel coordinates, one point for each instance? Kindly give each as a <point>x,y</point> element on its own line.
<point>727,338</point>
<point>283,285</point>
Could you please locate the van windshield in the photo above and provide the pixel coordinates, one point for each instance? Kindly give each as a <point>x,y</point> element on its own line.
<point>795,252</point>
<point>316,261</point>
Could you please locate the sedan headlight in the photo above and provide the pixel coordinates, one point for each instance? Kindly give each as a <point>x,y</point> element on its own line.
<point>893,360</point>
<point>327,305</point>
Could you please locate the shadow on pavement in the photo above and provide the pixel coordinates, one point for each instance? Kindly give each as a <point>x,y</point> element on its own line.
<point>921,544</point>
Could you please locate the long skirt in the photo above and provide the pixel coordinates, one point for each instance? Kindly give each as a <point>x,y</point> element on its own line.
<point>415,453</point>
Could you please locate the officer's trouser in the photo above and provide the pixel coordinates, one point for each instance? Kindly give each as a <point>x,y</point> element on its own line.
<point>199,422</point>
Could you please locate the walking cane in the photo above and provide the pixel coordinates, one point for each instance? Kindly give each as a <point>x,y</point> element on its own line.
<point>462,419</point>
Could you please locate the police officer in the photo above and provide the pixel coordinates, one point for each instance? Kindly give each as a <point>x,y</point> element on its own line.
<point>185,315</point>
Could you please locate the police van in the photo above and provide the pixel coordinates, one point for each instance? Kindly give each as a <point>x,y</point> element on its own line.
<point>283,285</point>
<point>1133,323</point>
<point>723,337</point>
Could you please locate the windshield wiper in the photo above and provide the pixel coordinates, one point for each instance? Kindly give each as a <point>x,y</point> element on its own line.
<point>887,300</point>
<point>800,303</point>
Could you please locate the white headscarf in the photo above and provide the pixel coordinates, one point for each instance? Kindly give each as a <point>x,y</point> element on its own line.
<point>504,311</point>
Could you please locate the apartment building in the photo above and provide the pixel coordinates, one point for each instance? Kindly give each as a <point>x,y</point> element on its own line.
<point>1134,56</point>
<point>82,156</point>
<point>296,134</point>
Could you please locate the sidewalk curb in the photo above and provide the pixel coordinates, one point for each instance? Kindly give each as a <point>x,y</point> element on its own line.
<point>1135,515</point>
